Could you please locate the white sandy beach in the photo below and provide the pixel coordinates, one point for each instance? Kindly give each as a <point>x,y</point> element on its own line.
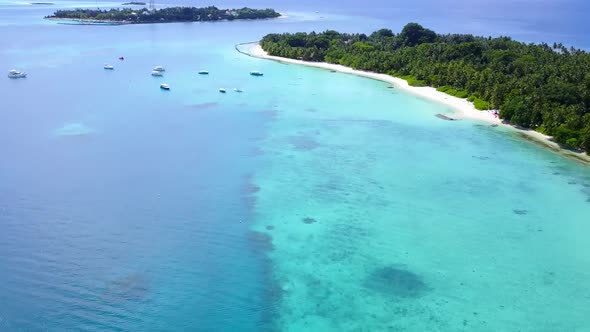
<point>463,108</point>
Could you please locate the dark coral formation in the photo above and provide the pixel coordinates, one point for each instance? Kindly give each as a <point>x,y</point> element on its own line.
<point>308,220</point>
<point>252,188</point>
<point>271,291</point>
<point>249,189</point>
<point>260,243</point>
<point>395,281</point>
<point>303,143</point>
<point>520,212</point>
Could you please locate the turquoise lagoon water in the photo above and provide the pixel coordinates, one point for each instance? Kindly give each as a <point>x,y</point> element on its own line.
<point>383,217</point>
<point>313,200</point>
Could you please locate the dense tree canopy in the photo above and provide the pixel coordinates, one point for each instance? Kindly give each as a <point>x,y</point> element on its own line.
<point>170,14</point>
<point>537,86</point>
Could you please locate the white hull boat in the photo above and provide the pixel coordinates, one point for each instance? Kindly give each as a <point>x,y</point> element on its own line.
<point>16,74</point>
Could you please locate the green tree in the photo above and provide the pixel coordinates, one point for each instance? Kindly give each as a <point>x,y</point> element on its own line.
<point>414,34</point>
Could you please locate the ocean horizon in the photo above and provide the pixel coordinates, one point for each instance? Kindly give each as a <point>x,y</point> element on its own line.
<point>312,200</point>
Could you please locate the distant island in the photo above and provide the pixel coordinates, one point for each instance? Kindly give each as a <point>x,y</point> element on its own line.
<point>164,15</point>
<point>133,3</point>
<point>42,3</point>
<point>537,86</point>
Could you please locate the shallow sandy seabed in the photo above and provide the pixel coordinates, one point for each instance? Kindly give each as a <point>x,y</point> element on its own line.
<point>463,108</point>
<point>370,234</point>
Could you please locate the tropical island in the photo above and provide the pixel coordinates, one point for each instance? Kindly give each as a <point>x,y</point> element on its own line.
<point>536,86</point>
<point>164,15</point>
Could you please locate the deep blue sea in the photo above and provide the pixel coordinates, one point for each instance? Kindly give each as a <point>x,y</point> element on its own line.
<point>312,201</point>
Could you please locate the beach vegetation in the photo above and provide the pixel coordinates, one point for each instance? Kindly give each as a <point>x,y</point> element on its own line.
<point>541,129</point>
<point>413,81</point>
<point>532,85</point>
<point>573,142</point>
<point>459,93</point>
<point>481,105</point>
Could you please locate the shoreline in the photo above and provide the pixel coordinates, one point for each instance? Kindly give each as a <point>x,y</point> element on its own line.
<point>87,21</point>
<point>462,108</point>
<point>90,21</point>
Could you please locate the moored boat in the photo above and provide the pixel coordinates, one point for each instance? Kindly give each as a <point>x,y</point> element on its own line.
<point>157,73</point>
<point>238,90</point>
<point>16,74</point>
<point>159,68</point>
<point>164,86</point>
<point>203,72</point>
<point>222,90</point>
<point>256,73</point>
<point>109,67</point>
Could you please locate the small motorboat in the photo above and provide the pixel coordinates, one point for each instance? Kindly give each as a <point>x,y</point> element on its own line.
<point>157,73</point>
<point>238,90</point>
<point>159,68</point>
<point>16,74</point>
<point>256,73</point>
<point>164,86</point>
<point>203,72</point>
<point>121,58</point>
<point>109,67</point>
<point>222,90</point>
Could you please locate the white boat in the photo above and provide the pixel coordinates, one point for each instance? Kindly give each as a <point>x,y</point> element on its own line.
<point>159,68</point>
<point>203,72</point>
<point>256,73</point>
<point>157,73</point>
<point>164,86</point>
<point>238,90</point>
<point>107,66</point>
<point>222,90</point>
<point>16,74</point>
